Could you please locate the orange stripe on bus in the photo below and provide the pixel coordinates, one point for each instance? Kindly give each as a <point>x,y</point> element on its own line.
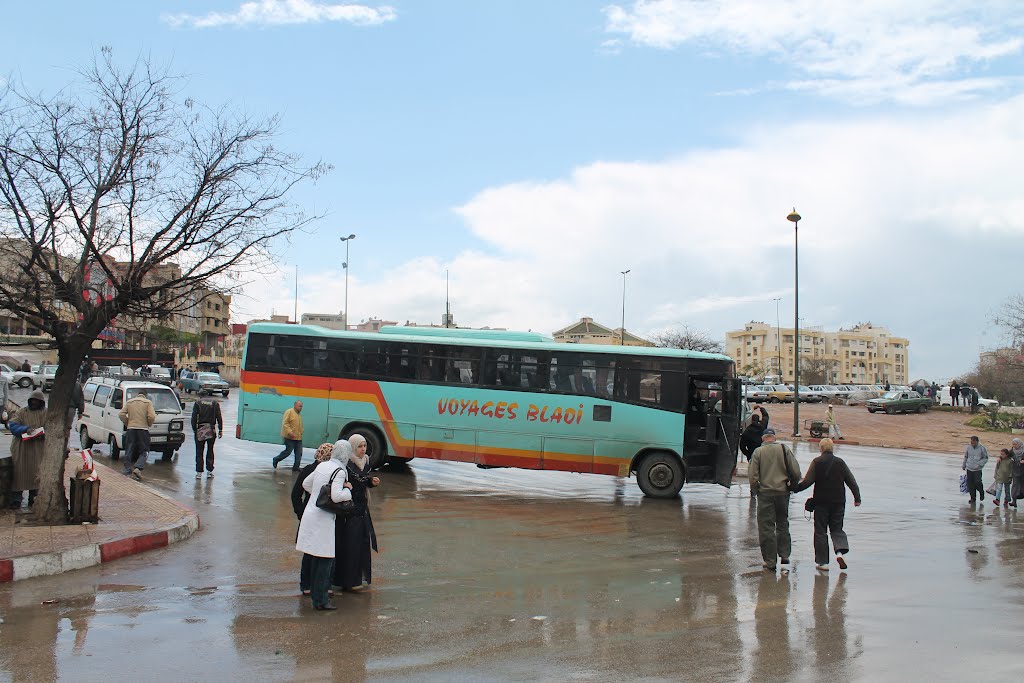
<point>368,391</point>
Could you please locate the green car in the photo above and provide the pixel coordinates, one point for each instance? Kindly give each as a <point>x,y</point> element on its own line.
<point>899,402</point>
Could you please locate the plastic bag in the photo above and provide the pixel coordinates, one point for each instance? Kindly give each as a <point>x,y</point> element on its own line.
<point>963,483</point>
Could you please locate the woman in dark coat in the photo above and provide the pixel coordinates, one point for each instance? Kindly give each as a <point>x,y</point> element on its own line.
<point>355,535</point>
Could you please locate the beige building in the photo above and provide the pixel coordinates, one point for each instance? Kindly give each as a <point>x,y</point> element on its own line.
<point>865,354</point>
<point>331,321</point>
<point>586,331</point>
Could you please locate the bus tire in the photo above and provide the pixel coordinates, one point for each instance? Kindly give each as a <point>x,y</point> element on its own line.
<point>375,451</point>
<point>660,475</point>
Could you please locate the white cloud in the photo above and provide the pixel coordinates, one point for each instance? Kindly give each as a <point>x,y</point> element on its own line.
<point>890,205</point>
<point>278,12</point>
<point>861,51</point>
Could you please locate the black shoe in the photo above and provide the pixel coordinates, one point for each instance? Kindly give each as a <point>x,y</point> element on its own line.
<point>327,608</point>
<point>275,463</point>
<point>296,469</point>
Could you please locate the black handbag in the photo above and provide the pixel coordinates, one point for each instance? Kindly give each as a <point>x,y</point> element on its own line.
<point>325,502</point>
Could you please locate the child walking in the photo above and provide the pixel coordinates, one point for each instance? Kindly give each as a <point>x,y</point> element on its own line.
<point>1003,477</point>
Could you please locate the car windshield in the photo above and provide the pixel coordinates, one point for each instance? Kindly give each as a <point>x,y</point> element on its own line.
<point>50,370</point>
<point>892,395</point>
<point>209,377</point>
<point>162,372</point>
<point>164,400</point>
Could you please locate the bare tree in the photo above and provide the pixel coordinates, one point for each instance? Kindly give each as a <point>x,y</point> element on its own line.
<point>119,197</point>
<point>1011,319</point>
<point>690,340</point>
<point>817,370</point>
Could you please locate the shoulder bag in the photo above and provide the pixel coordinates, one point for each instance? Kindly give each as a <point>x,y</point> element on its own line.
<point>809,503</point>
<point>325,502</point>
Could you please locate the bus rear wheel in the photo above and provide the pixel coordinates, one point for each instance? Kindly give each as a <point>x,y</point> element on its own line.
<point>375,451</point>
<point>660,475</point>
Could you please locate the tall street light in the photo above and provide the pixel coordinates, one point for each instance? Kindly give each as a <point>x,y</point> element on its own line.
<point>622,330</point>
<point>344,315</point>
<point>778,335</point>
<point>794,217</point>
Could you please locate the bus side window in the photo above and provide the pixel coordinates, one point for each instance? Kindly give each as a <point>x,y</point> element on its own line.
<point>673,390</point>
<point>650,386</point>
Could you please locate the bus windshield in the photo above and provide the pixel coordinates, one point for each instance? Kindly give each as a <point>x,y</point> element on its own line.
<point>501,399</point>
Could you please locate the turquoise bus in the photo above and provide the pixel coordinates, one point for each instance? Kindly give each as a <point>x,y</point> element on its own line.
<point>499,399</point>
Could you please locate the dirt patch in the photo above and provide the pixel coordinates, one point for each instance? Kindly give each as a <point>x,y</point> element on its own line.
<point>937,431</point>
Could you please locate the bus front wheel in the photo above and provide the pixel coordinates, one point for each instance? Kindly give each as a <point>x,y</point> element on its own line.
<point>660,475</point>
<point>374,446</point>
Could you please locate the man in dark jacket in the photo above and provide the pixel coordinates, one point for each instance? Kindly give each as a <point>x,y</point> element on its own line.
<point>207,425</point>
<point>754,433</point>
<point>829,475</point>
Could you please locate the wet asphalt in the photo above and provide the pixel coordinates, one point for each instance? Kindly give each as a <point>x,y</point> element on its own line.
<point>517,575</point>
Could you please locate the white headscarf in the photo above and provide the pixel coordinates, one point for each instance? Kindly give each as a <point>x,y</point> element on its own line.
<point>357,440</point>
<point>342,452</point>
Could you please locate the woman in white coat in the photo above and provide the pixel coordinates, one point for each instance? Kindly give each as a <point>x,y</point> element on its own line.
<point>316,530</point>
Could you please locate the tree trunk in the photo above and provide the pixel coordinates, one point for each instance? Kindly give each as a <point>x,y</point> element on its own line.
<point>51,504</point>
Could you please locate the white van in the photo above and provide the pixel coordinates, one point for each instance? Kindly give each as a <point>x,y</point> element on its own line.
<point>943,399</point>
<point>104,398</point>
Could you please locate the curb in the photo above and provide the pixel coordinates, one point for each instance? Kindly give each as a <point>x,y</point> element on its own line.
<point>48,564</point>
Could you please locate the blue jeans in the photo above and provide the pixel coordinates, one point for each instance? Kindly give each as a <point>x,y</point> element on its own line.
<point>323,569</point>
<point>306,573</point>
<point>290,446</point>
<point>1003,493</point>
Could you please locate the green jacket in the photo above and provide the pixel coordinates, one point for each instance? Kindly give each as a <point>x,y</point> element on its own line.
<point>772,470</point>
<point>1004,470</point>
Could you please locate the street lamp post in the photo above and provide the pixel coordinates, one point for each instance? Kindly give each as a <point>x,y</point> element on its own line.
<point>778,335</point>
<point>794,217</point>
<point>344,315</point>
<point>622,330</point>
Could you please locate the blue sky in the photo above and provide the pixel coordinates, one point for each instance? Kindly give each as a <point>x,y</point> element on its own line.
<point>536,149</point>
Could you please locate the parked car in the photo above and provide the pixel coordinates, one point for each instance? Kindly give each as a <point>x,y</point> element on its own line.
<point>756,393</point>
<point>826,391</point>
<point>899,402</point>
<point>19,377</point>
<point>156,373</point>
<point>808,394</point>
<point>45,376</point>
<point>104,398</point>
<point>779,393</point>
<point>203,383</point>
<point>943,400</point>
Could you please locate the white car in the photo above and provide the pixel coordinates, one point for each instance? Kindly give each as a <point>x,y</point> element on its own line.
<point>756,393</point>
<point>104,398</point>
<point>19,377</point>
<point>943,400</point>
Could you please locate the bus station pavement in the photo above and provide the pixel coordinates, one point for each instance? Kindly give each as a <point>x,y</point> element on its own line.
<point>134,518</point>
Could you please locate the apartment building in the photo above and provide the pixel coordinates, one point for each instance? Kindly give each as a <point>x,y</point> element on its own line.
<point>864,354</point>
<point>330,321</point>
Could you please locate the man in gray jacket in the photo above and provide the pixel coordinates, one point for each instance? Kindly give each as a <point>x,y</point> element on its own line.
<point>975,457</point>
<point>773,472</point>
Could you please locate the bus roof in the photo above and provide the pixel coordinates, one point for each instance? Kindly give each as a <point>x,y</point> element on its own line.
<point>463,339</point>
<point>457,333</point>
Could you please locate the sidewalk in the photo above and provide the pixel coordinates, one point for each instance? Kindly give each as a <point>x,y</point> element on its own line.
<point>133,518</point>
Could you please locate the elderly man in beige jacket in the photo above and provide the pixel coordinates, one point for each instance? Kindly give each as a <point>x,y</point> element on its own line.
<point>773,472</point>
<point>138,416</point>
